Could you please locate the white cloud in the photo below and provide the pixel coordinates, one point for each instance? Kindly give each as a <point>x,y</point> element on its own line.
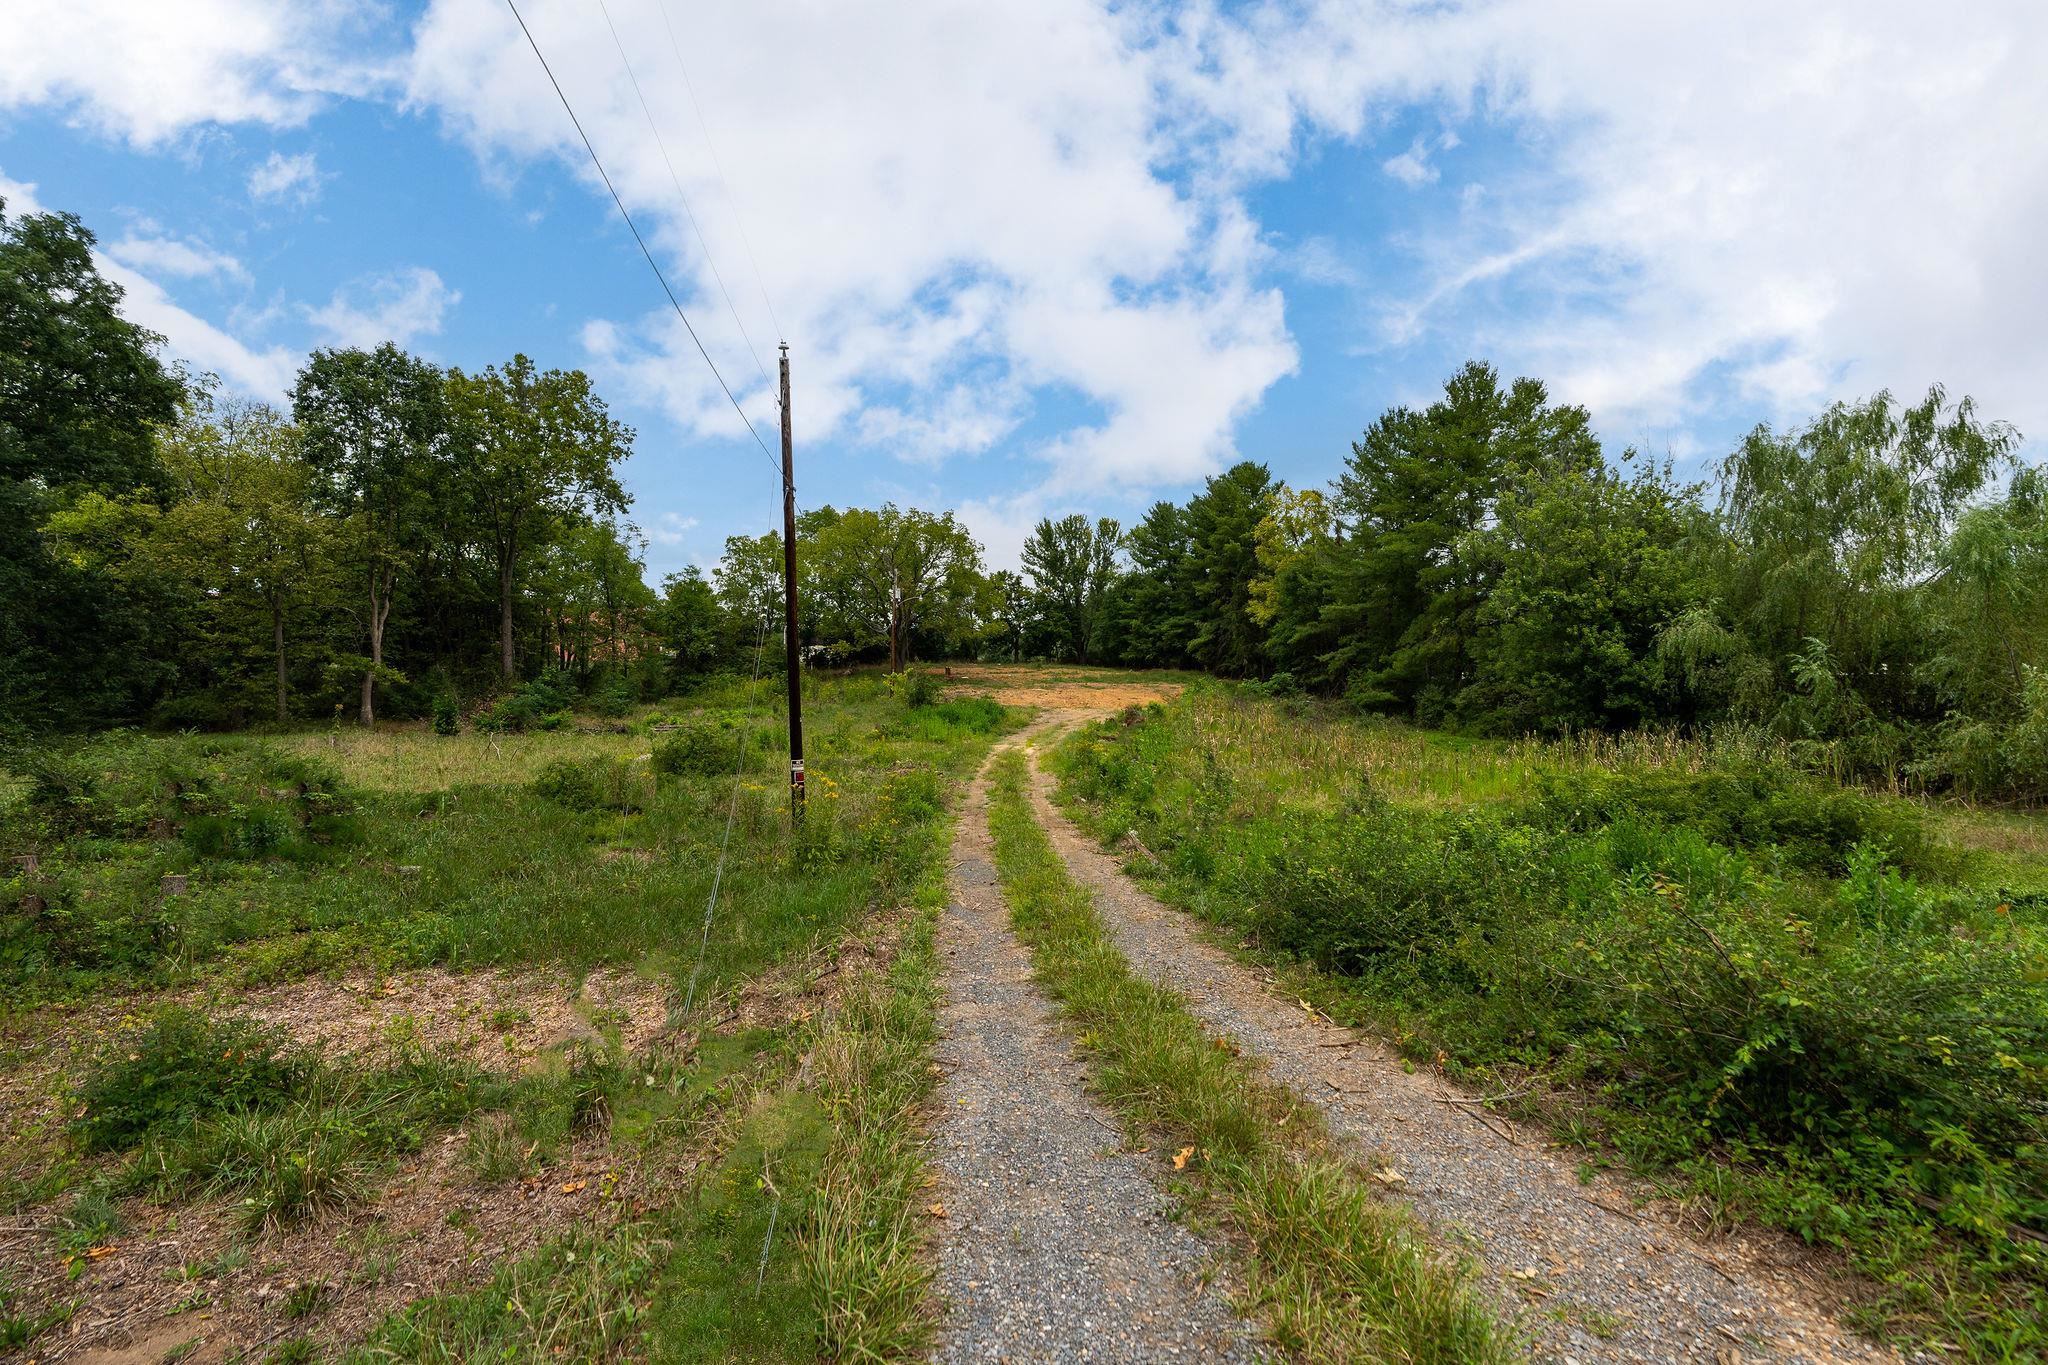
<point>971,216</point>
<point>966,213</point>
<point>164,255</point>
<point>295,179</point>
<point>1411,167</point>
<point>1775,203</point>
<point>670,529</point>
<point>259,373</point>
<point>148,72</point>
<point>400,306</point>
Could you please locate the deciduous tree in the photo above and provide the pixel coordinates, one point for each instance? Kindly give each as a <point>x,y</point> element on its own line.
<point>1071,563</point>
<point>374,427</point>
<point>532,450</point>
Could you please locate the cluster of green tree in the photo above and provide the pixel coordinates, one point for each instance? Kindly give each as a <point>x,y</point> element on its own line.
<point>1873,585</point>
<point>403,535</point>
<point>401,530</point>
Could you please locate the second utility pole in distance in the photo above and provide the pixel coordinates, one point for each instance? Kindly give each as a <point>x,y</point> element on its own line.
<point>791,649</point>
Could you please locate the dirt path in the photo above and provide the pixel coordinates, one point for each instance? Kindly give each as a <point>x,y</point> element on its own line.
<point>1591,1281</point>
<point>1054,1244</point>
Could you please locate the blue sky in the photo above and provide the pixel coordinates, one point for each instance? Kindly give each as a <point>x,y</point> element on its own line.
<point>1066,256</point>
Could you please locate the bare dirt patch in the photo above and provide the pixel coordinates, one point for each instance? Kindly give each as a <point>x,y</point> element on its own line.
<point>500,1020</point>
<point>1059,689</point>
<point>188,1271</point>
<point>189,1274</point>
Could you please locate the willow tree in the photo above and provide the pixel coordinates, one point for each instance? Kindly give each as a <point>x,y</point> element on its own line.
<point>1834,530</point>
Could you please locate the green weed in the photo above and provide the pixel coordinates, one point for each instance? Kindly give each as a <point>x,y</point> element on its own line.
<point>183,1068</point>
<point>1795,998</point>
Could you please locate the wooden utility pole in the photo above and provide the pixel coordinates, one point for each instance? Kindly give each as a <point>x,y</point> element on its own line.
<point>791,650</point>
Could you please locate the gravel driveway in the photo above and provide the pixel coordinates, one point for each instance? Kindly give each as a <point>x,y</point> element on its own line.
<point>1054,1244</point>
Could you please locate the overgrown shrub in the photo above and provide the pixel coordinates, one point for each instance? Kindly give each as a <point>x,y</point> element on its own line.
<point>183,1068</point>
<point>227,797</point>
<point>1741,973</point>
<point>595,784</point>
<point>919,687</point>
<point>1809,823</point>
<point>1365,889</point>
<point>566,783</point>
<point>447,717</point>
<point>513,715</point>
<point>541,703</point>
<point>46,923</point>
<point>615,697</point>
<point>698,749</point>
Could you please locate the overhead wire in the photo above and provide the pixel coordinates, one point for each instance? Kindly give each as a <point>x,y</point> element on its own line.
<point>760,643</point>
<point>631,226</point>
<point>711,145</point>
<point>677,181</point>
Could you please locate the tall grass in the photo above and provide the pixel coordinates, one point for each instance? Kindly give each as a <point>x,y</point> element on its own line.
<point>1699,958</point>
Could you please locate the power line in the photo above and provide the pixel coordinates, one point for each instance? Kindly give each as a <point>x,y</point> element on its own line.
<point>711,145</point>
<point>677,181</point>
<point>634,229</point>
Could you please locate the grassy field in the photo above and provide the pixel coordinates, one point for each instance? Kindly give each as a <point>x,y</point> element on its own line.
<point>372,1045</point>
<point>1783,1000</point>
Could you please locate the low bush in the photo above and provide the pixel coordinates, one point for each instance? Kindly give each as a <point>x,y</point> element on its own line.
<point>1810,824</point>
<point>541,703</point>
<point>595,784</point>
<point>185,1067</point>
<point>228,798</point>
<point>566,783</point>
<point>52,924</point>
<point>316,1146</point>
<point>919,687</point>
<point>698,749</point>
<point>447,717</point>
<point>614,698</point>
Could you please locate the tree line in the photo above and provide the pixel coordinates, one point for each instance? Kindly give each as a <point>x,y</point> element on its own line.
<point>1872,584</point>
